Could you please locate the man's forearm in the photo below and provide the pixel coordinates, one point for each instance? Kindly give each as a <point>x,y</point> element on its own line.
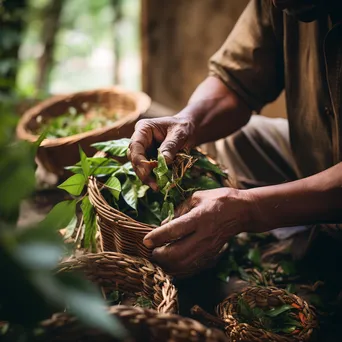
<point>215,111</point>
<point>316,199</point>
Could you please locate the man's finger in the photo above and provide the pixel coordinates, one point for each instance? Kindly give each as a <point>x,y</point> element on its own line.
<point>174,230</point>
<point>183,208</point>
<point>173,256</point>
<point>173,143</point>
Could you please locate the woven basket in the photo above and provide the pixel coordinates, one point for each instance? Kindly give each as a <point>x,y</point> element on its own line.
<point>115,271</point>
<point>55,154</point>
<point>144,326</point>
<point>266,297</point>
<point>119,232</point>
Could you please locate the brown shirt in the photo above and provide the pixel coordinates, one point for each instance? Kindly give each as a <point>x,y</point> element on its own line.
<point>269,51</point>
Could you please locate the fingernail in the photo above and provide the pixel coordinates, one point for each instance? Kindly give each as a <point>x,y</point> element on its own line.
<point>153,186</point>
<point>148,243</point>
<point>167,156</point>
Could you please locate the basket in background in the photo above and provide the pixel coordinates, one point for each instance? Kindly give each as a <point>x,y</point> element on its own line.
<point>55,154</point>
<point>266,298</point>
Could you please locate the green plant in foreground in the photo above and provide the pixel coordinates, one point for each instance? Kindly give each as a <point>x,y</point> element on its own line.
<point>123,190</point>
<point>30,290</point>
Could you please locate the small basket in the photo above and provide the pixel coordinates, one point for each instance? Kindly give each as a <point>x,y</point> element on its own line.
<point>55,154</point>
<point>116,271</point>
<point>144,325</point>
<point>120,232</point>
<point>266,297</point>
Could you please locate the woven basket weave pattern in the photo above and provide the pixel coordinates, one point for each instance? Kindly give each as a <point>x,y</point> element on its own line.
<point>115,271</point>
<point>145,325</point>
<point>265,297</point>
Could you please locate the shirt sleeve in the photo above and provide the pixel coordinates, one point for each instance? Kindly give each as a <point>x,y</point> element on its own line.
<point>250,62</point>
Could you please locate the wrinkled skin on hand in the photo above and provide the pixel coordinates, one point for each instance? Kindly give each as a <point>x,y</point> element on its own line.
<point>203,224</point>
<point>173,133</point>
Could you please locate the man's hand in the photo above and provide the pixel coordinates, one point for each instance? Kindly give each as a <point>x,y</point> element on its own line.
<point>173,133</point>
<point>203,225</point>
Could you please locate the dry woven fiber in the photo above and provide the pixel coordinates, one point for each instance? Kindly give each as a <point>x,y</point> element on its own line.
<point>119,232</point>
<point>55,154</point>
<point>266,297</point>
<point>144,325</point>
<point>115,271</point>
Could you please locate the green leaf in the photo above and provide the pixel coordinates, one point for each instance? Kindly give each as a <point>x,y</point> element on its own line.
<point>206,183</point>
<point>244,309</point>
<point>168,211</point>
<point>117,148</point>
<point>70,228</point>
<point>286,330</point>
<point>130,193</point>
<point>142,189</point>
<point>291,288</point>
<point>60,216</point>
<point>144,303</point>
<point>204,164</point>
<point>277,311</point>
<point>150,213</point>
<point>254,256</point>
<point>162,173</point>
<point>288,267</point>
<point>114,298</point>
<point>84,163</point>
<point>126,169</point>
<point>98,166</point>
<point>38,255</point>
<point>243,274</point>
<point>40,139</point>
<point>89,218</point>
<point>114,186</point>
<point>74,185</point>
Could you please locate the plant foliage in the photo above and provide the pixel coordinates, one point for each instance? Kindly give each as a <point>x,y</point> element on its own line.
<point>123,190</point>
<point>30,291</point>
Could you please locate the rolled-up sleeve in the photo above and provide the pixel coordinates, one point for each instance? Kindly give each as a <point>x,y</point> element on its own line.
<point>250,62</point>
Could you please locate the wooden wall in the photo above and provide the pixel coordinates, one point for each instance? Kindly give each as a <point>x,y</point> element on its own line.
<point>178,37</point>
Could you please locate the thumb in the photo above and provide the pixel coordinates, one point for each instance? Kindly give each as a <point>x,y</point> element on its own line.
<point>173,143</point>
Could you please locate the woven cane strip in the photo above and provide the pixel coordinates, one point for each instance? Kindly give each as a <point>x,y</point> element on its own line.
<point>115,271</point>
<point>265,297</point>
<point>144,325</point>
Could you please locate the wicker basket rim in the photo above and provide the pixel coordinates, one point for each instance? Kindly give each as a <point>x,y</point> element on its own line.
<point>143,102</point>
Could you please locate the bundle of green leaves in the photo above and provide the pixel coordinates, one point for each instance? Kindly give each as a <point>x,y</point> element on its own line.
<point>123,190</point>
<point>284,319</point>
<point>72,122</point>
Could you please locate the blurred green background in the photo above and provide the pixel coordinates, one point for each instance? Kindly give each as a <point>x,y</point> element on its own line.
<point>71,45</point>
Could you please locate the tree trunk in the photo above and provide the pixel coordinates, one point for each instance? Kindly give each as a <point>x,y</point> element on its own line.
<point>12,28</point>
<point>117,9</point>
<point>51,17</point>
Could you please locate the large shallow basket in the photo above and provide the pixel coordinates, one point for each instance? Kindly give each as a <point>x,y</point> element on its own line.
<point>55,154</point>
<point>120,232</point>
<point>144,326</point>
<point>266,297</point>
<point>116,271</point>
